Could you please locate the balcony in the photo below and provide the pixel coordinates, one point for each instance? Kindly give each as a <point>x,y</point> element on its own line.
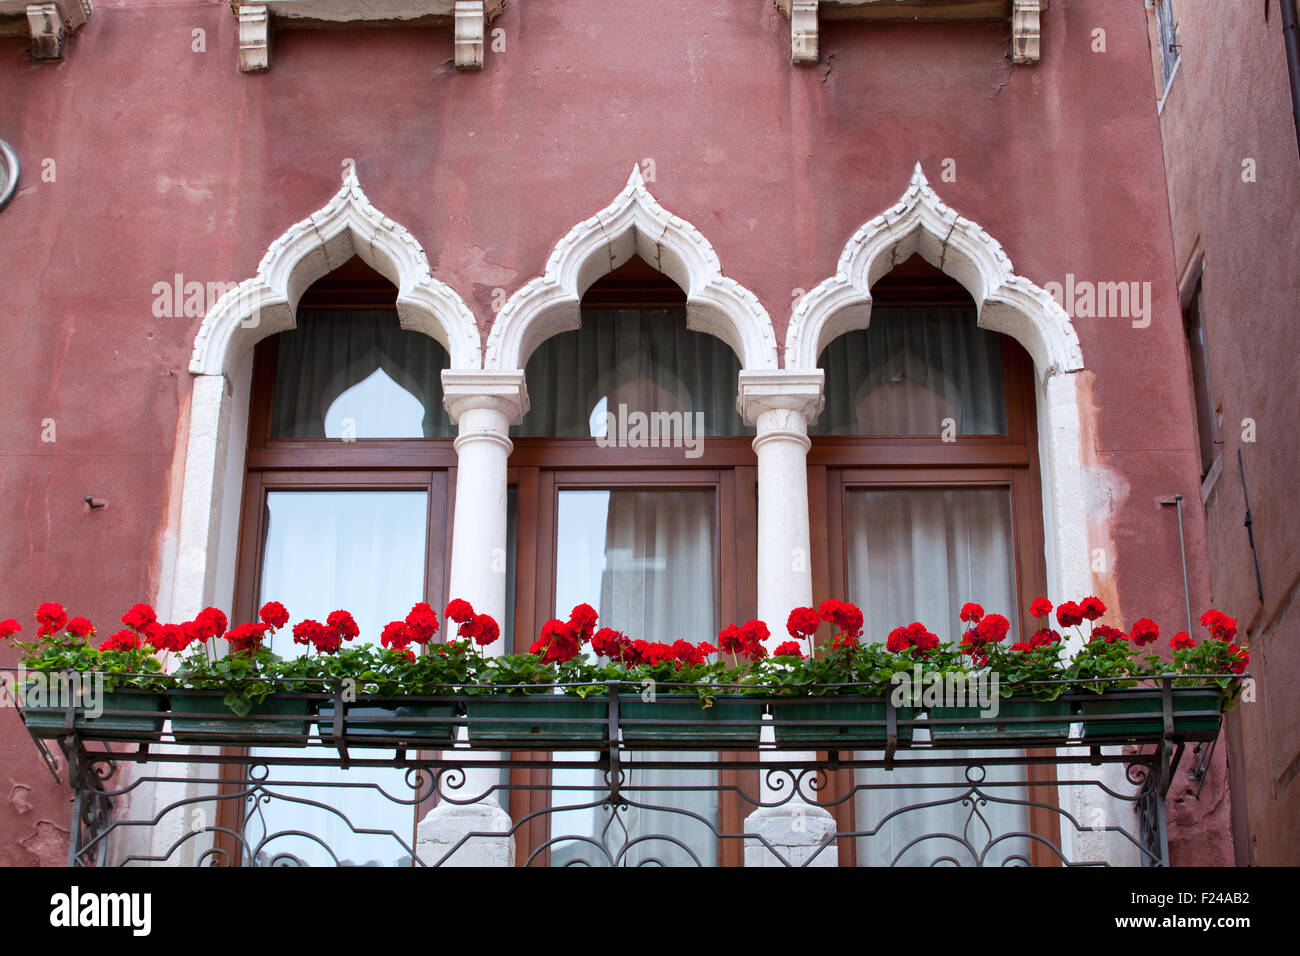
<point>173,778</point>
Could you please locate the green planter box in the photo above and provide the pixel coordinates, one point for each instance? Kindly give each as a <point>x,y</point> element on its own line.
<point>537,722</point>
<point>369,721</point>
<point>205,719</point>
<point>829,723</point>
<point>1052,721</point>
<point>677,721</point>
<point>1147,700</point>
<point>48,722</point>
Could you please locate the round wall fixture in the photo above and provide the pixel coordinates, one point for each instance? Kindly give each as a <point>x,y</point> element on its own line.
<point>8,173</point>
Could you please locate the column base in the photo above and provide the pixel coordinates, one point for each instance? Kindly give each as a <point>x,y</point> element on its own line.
<point>795,830</point>
<point>445,827</point>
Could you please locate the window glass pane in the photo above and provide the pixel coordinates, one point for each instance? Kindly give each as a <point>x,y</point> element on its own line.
<point>646,561</point>
<point>920,555</point>
<point>910,371</point>
<point>623,362</point>
<point>362,551</point>
<point>357,374</point>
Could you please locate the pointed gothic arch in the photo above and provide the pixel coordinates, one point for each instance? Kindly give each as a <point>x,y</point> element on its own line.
<point>348,225</point>
<point>633,224</point>
<point>920,222</point>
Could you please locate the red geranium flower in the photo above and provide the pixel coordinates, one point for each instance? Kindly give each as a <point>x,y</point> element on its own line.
<point>898,641</point>
<point>925,642</point>
<point>802,622</point>
<point>558,643</point>
<point>732,640</point>
<point>707,649</point>
<point>1221,627</point>
<point>583,621</point>
<point>845,616</point>
<point>486,629</point>
<point>51,617</point>
<point>80,627</point>
<point>1243,658</point>
<point>139,616</point>
<point>246,637</point>
<point>1181,641</point>
<point>1069,614</point>
<point>992,629</point>
<point>1020,647</point>
<point>343,624</point>
<point>459,611</point>
<point>1041,607</point>
<point>9,627</point>
<point>753,634</point>
<point>971,613</point>
<point>123,640</point>
<point>610,643</point>
<point>1104,632</point>
<point>788,649</point>
<point>1043,637</point>
<point>395,634</point>
<point>307,632</point>
<point>421,623</point>
<point>170,637</point>
<point>1092,608</point>
<point>210,622</point>
<point>273,615</point>
<point>688,654</point>
<point>1144,632</point>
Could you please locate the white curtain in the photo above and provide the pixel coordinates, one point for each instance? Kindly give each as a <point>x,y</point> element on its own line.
<point>920,555</point>
<point>646,359</point>
<point>364,552</point>
<point>646,560</point>
<point>909,371</point>
<point>358,366</point>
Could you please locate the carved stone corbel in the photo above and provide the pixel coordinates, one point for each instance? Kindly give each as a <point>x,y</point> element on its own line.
<point>803,31</point>
<point>254,39</point>
<point>1026,30</point>
<point>471,26</point>
<point>49,24</point>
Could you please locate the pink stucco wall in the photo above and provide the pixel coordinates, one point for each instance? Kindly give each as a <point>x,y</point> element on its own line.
<point>169,161</point>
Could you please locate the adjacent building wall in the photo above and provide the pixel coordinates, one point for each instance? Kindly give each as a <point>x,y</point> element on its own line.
<point>1234,191</point>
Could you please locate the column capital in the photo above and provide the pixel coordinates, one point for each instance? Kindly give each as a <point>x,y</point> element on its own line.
<point>464,390</point>
<point>781,390</point>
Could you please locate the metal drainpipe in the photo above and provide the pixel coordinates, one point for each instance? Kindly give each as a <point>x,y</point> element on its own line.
<point>1291,34</point>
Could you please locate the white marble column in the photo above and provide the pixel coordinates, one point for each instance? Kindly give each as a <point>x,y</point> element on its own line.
<point>484,404</point>
<point>782,404</point>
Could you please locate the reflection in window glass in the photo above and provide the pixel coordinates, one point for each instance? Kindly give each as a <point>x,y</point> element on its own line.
<point>920,555</point>
<point>911,372</point>
<point>362,551</point>
<point>357,374</point>
<point>646,561</point>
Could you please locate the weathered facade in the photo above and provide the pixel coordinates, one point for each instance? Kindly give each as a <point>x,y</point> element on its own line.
<point>178,179</point>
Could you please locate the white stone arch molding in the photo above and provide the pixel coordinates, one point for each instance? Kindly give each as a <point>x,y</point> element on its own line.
<point>921,222</point>
<point>348,225</point>
<point>633,224</point>
<point>261,306</point>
